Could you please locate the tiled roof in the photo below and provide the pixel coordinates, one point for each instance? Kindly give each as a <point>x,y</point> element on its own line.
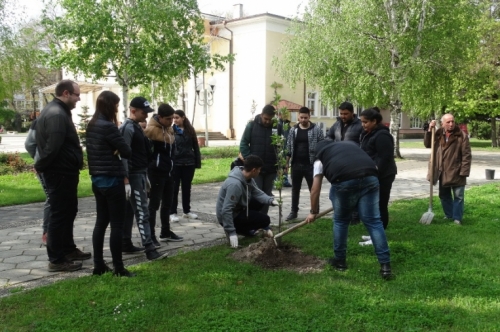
<point>290,106</point>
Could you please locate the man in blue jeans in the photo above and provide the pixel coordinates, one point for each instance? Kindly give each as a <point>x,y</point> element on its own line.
<point>354,187</point>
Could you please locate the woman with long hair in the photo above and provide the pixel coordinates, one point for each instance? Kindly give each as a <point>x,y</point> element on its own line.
<point>105,148</point>
<point>377,142</point>
<point>187,159</point>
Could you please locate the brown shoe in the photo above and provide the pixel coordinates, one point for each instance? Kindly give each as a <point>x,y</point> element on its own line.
<point>78,255</point>
<point>64,267</point>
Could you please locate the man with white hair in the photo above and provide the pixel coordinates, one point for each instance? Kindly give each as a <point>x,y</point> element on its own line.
<point>452,161</point>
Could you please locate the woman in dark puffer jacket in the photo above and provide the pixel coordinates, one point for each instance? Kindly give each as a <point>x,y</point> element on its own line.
<point>105,147</point>
<point>378,143</point>
<point>187,158</point>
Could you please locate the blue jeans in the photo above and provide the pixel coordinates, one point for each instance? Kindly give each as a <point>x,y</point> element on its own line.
<point>453,207</point>
<point>361,194</point>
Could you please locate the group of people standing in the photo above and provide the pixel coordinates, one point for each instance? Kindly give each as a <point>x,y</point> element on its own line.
<point>132,172</point>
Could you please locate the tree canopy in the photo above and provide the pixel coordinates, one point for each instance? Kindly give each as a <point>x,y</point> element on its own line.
<point>137,42</point>
<point>398,54</point>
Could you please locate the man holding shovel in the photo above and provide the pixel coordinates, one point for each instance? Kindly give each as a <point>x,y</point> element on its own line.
<point>452,160</point>
<point>240,201</point>
<point>355,186</point>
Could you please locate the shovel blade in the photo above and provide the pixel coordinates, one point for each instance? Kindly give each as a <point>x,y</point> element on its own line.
<point>427,218</point>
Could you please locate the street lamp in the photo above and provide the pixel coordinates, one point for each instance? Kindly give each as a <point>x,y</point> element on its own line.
<point>207,99</point>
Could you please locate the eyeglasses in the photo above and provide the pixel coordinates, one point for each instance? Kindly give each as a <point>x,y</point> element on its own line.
<point>74,94</point>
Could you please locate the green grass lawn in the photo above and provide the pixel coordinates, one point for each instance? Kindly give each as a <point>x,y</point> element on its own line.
<point>447,279</point>
<point>24,188</point>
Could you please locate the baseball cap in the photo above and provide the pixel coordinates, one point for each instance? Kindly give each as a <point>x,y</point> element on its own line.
<point>141,103</point>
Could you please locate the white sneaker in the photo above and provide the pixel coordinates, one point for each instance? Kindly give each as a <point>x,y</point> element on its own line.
<point>190,215</point>
<point>365,237</point>
<point>174,217</point>
<point>366,243</point>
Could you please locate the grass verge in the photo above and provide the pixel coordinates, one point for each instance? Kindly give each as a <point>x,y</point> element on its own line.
<point>446,280</point>
<point>24,188</point>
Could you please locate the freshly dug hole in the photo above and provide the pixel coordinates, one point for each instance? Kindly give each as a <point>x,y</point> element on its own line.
<point>265,254</point>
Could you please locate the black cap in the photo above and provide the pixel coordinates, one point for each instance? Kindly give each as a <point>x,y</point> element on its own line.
<point>141,103</point>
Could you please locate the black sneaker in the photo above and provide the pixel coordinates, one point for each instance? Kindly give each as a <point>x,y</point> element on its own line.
<point>78,255</point>
<point>154,255</point>
<point>155,242</point>
<point>171,237</point>
<point>338,264</point>
<point>124,273</point>
<point>131,249</point>
<point>66,266</point>
<point>291,216</point>
<point>101,269</point>
<point>385,271</point>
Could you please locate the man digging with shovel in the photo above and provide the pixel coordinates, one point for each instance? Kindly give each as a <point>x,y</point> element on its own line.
<point>240,201</point>
<point>355,186</point>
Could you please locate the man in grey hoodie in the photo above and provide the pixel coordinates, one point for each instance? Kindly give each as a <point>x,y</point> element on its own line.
<point>240,200</point>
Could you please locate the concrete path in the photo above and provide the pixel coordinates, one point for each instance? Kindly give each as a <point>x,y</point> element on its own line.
<point>23,259</point>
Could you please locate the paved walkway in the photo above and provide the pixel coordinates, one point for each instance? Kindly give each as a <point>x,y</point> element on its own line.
<point>23,260</point>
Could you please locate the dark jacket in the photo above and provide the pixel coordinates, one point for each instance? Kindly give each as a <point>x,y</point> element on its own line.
<point>353,164</point>
<point>103,139</point>
<point>352,132</point>
<point>139,143</point>
<point>163,142</point>
<point>187,152</point>
<point>379,145</point>
<point>452,159</point>
<point>257,140</point>
<point>57,142</point>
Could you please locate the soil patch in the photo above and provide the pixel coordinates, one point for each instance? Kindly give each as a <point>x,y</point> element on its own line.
<point>265,254</point>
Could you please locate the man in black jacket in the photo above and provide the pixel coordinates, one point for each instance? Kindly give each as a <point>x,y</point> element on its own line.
<point>257,140</point>
<point>136,180</point>
<point>347,128</point>
<point>59,163</point>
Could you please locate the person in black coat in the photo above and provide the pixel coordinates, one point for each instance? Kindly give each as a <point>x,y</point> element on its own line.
<point>187,159</point>
<point>378,143</point>
<point>105,147</point>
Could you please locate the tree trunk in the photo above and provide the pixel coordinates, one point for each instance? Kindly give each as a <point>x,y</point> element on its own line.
<point>494,142</point>
<point>394,126</point>
<point>125,101</point>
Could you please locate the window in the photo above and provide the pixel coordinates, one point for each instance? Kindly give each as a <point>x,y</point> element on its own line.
<point>335,110</point>
<point>293,116</point>
<point>324,110</point>
<point>416,122</point>
<point>311,102</point>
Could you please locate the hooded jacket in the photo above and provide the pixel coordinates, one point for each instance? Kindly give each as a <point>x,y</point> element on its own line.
<point>234,197</point>
<point>379,145</point>
<point>163,141</point>
<point>257,140</point>
<point>452,158</point>
<point>314,135</point>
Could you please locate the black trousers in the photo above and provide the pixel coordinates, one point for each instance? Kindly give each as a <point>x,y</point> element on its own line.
<point>183,176</point>
<point>300,172</point>
<point>110,207</point>
<point>255,220</point>
<point>62,190</point>
<point>162,191</point>
<point>385,194</point>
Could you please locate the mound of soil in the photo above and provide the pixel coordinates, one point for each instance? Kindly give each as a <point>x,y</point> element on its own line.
<point>265,254</point>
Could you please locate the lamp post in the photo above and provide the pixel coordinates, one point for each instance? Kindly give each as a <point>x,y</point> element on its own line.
<point>206,100</point>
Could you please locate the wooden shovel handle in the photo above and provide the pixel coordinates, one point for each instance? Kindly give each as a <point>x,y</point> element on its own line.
<point>294,227</point>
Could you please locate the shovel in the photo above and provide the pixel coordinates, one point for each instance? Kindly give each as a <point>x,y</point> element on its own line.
<point>429,215</point>
<point>300,224</point>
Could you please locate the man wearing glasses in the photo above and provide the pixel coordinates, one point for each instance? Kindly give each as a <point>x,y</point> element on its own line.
<point>60,161</point>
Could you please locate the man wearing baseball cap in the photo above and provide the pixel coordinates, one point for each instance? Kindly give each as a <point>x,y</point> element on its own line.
<point>136,181</point>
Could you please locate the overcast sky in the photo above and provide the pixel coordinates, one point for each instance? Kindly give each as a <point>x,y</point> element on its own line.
<point>286,8</point>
